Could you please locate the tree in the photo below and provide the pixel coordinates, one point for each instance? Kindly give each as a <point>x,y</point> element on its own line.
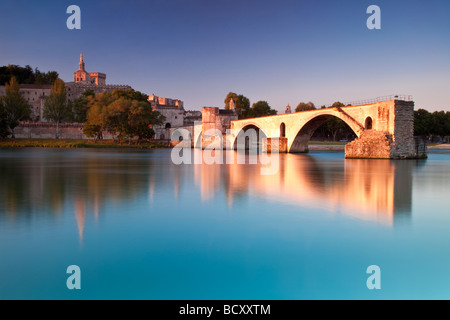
<point>447,123</point>
<point>130,118</point>
<point>92,131</point>
<point>79,106</point>
<point>14,105</point>
<point>335,126</point>
<point>96,115</point>
<point>439,125</point>
<point>423,123</point>
<point>56,107</point>
<point>4,132</point>
<point>337,104</point>
<point>431,124</point>
<point>122,115</point>
<point>242,104</point>
<point>88,93</point>
<point>26,75</point>
<point>22,75</point>
<point>116,118</point>
<point>305,106</point>
<point>261,109</point>
<point>45,77</point>
<point>130,94</point>
<point>141,118</point>
<point>79,109</point>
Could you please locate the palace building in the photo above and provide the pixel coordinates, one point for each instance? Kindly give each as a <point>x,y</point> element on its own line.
<point>82,76</point>
<point>95,81</point>
<point>172,109</point>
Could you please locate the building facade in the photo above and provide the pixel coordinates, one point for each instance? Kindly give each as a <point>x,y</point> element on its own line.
<point>172,109</point>
<point>35,95</point>
<point>82,76</point>
<point>95,81</point>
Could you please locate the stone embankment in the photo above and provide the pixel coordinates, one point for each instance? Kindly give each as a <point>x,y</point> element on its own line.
<point>445,146</point>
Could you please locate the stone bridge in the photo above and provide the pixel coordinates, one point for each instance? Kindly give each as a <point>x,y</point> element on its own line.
<point>384,129</point>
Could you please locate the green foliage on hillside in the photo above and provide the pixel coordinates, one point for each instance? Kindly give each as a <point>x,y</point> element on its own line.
<point>26,75</point>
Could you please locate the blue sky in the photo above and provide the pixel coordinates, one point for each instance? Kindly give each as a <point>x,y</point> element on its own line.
<point>279,51</point>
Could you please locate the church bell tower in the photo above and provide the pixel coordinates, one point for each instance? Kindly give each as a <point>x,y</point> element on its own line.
<point>81,64</point>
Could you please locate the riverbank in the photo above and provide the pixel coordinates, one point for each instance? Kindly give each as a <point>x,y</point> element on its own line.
<point>76,143</point>
<point>81,143</point>
<point>327,145</point>
<point>444,146</point>
<point>341,146</point>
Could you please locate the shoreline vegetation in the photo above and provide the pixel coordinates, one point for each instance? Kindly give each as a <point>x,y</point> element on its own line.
<point>83,143</point>
<point>78,143</point>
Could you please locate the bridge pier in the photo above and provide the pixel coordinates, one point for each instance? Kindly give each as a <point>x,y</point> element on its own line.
<point>277,145</point>
<point>371,144</point>
<point>374,144</point>
<point>397,143</point>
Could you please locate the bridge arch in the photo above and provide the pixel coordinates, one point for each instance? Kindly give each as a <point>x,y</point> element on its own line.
<point>302,134</point>
<point>249,137</point>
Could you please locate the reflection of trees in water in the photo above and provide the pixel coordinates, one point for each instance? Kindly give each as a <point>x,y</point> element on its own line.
<point>24,191</point>
<point>41,183</point>
<point>46,182</point>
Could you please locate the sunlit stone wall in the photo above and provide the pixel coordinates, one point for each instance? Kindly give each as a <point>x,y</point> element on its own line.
<point>396,143</point>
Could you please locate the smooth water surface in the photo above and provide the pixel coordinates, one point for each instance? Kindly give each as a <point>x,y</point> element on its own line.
<point>141,227</point>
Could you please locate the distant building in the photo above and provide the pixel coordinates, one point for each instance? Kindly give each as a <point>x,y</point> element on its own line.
<point>156,102</point>
<point>174,112</point>
<point>81,76</point>
<point>95,81</point>
<point>172,109</point>
<point>35,95</point>
<point>192,116</point>
<point>176,115</point>
<point>288,109</point>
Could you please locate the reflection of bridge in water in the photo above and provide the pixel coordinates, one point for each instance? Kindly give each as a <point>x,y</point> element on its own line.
<point>48,184</point>
<point>376,190</point>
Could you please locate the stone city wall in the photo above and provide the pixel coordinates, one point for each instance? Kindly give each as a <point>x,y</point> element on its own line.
<point>47,130</point>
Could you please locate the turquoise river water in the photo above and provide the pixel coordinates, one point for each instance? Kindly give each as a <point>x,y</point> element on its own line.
<point>140,227</point>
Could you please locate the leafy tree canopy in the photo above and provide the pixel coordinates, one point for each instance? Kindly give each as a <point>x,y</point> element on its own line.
<point>302,106</point>
<point>4,131</point>
<point>241,102</point>
<point>261,109</point>
<point>130,94</point>
<point>120,114</point>
<point>429,124</point>
<point>56,107</point>
<point>26,75</point>
<point>14,106</point>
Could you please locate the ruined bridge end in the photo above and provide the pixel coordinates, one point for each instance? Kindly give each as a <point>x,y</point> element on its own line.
<point>390,135</point>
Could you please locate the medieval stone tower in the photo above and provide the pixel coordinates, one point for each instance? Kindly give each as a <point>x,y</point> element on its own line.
<point>81,76</point>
